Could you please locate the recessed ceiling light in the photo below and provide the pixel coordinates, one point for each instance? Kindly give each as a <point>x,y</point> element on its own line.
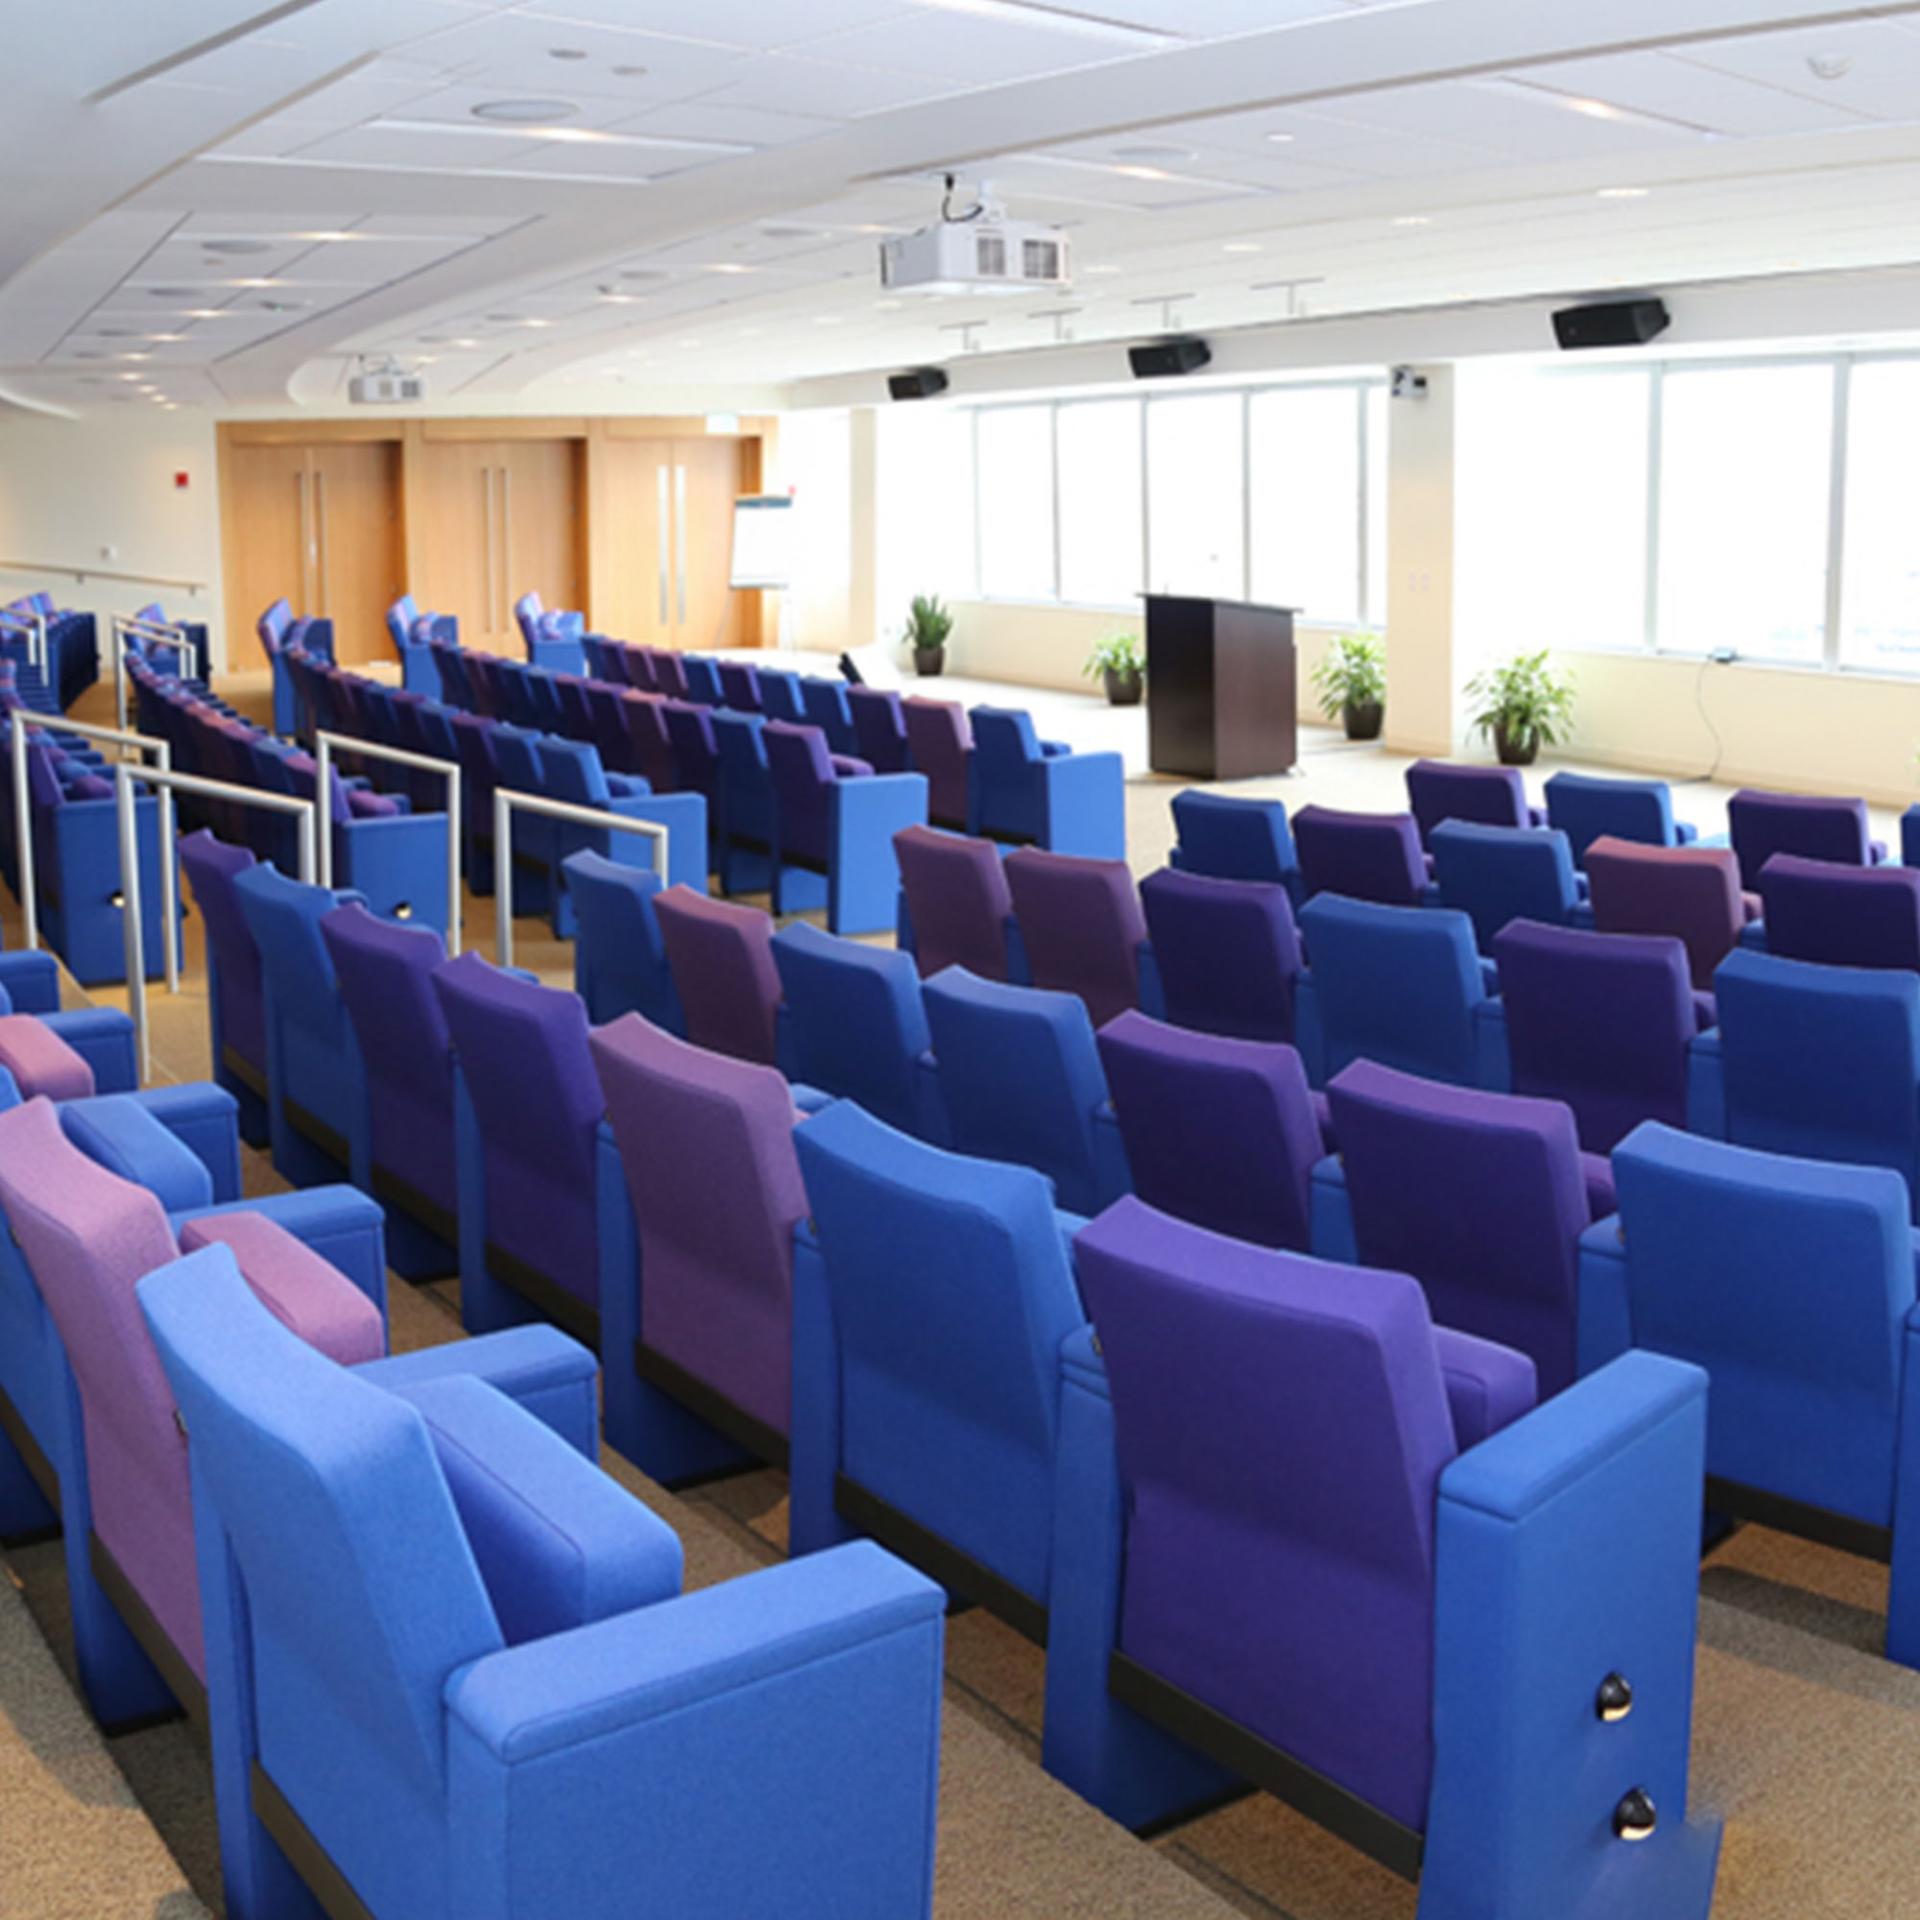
<point>614,297</point>
<point>1830,66</point>
<point>325,234</point>
<point>166,336</point>
<point>464,343</point>
<point>1281,139</point>
<point>1156,153</point>
<point>534,322</point>
<point>207,313</point>
<point>729,266</point>
<point>1623,193</point>
<point>1241,246</point>
<point>524,113</point>
<point>256,283</point>
<point>129,376</point>
<point>631,73</point>
<point>504,319</point>
<point>1412,220</point>
<point>133,356</point>
<point>1593,109</point>
<point>237,246</point>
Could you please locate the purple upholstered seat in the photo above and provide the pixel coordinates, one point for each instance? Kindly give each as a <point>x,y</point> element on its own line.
<point>707,1148</point>
<point>940,740</point>
<point>800,765</point>
<point>740,686</point>
<point>1692,893</point>
<point>1365,856</point>
<point>1081,926</point>
<point>1602,1021</point>
<point>239,1003</point>
<point>88,1236</point>
<point>879,728</point>
<point>522,1054</point>
<point>696,754</point>
<point>1220,1132</point>
<point>1282,1425</point>
<point>652,755</point>
<point>1481,1196</point>
<point>723,969</point>
<point>1842,916</point>
<point>957,900</point>
<point>1440,790</point>
<point>1227,952</point>
<point>1813,825</point>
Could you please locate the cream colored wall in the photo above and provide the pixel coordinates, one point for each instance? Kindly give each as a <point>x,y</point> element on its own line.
<point>814,454</point>
<point>1422,674</point>
<point>71,488</point>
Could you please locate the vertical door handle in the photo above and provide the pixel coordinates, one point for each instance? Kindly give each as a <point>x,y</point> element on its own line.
<point>306,541</point>
<point>660,474</point>
<point>506,544</point>
<point>486,525</point>
<point>325,545</point>
<point>680,537</point>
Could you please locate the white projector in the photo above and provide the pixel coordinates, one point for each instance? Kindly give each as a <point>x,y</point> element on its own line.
<point>388,389</point>
<point>983,255</point>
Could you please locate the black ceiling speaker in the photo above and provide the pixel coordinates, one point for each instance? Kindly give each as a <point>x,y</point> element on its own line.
<point>1164,358</point>
<point>1612,323</point>
<point>917,383</point>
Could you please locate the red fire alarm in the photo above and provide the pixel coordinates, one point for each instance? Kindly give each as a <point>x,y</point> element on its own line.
<point>180,479</point>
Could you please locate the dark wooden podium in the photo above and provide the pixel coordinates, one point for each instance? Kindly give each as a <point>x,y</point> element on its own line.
<point>1220,688</point>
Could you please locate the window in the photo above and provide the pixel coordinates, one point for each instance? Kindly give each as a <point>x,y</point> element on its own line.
<point>1304,504</point>
<point>1101,533</point>
<point>1014,477</point>
<point>923,508</point>
<point>1378,400</point>
<point>1195,490</point>
<point>1880,624</point>
<point>1745,491</point>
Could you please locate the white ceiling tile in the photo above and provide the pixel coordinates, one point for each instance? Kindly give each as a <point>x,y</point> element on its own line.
<point>740,23</point>
<point>1685,90</point>
<point>707,119</point>
<point>1883,79</point>
<point>968,49</point>
<point>406,147</point>
<point>789,83</point>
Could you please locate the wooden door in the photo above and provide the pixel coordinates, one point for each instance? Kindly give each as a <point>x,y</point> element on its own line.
<point>635,513</point>
<point>457,554</point>
<point>268,538</point>
<point>358,556</point>
<point>541,527</point>
<point>706,481</point>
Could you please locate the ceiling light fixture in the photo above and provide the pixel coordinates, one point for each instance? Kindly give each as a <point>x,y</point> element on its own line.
<point>1623,193</point>
<point>464,343</point>
<point>1588,107</point>
<point>1241,246</point>
<point>542,130</point>
<point>1021,13</point>
<point>1411,220</point>
<point>1830,66</point>
<point>1281,139</point>
<point>524,113</point>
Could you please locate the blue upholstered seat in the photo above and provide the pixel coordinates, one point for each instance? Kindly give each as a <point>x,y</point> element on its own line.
<point>1497,874</point>
<point>1233,839</point>
<point>1586,807</point>
<point>1034,793</point>
<point>619,959</point>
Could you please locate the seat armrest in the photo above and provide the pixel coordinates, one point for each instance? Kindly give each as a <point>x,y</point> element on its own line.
<point>206,1118</point>
<point>1706,1086</point>
<point>1754,935</point>
<point>339,1223</point>
<point>119,1133</point>
<point>294,1284</point>
<point>1488,1386</point>
<point>1605,1323</point>
<point>32,981</point>
<point>538,1367</point>
<point>560,1544</point>
<point>1685,833</point>
<point>1086,805</point>
<point>1330,1211</point>
<point>1492,1052</point>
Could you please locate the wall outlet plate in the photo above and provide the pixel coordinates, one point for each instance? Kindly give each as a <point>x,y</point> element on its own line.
<point>1723,656</point>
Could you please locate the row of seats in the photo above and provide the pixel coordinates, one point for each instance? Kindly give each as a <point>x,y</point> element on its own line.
<point>73,646</point>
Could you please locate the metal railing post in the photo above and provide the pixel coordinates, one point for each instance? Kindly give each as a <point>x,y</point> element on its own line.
<point>157,633</point>
<point>130,911</point>
<point>505,800</point>
<point>23,827</point>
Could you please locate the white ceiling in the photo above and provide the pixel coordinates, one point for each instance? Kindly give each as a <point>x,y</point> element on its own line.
<point>222,204</point>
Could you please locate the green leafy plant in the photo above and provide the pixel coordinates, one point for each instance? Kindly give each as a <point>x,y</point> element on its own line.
<point>1351,673</point>
<point>928,623</point>
<point>1119,653</point>
<point>1523,703</point>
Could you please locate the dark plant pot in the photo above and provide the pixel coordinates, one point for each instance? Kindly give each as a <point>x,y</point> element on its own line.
<point>1124,688</point>
<point>1516,749</point>
<point>1362,718</point>
<point>928,661</point>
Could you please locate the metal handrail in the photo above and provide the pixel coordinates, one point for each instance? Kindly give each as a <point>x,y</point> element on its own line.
<point>34,626</point>
<point>155,633</point>
<point>168,784</point>
<point>505,800</point>
<point>20,722</point>
<point>81,574</point>
<point>324,743</point>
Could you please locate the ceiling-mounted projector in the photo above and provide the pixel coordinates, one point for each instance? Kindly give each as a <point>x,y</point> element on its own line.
<point>977,251</point>
<point>390,385</point>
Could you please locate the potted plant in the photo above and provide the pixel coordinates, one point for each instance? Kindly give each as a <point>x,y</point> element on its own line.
<point>928,624</point>
<point>1118,661</point>
<point>1521,706</point>
<point>1351,681</point>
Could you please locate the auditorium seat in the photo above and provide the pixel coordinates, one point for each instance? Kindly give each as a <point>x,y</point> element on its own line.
<point>236,999</point>
<point>853,1025</point>
<point>956,909</point>
<point>828,708</point>
<point>1233,839</point>
<point>560,1721</point>
<point>744,834</point>
<point>1440,790</point>
<point>879,728</point>
<point>1226,953</point>
<point>834,820</point>
<point>723,971</point>
<point>1692,893</point>
<point>1218,1131</point>
<point>1034,792</point>
<point>1498,874</point>
<point>1603,1021</point>
<point>1330,1550</point>
<point>1361,856</point>
<point>942,1290</point>
<point>740,686</point>
<point>1482,1197</point>
<point>645,717</point>
<point>940,745</point>
<point>415,635</point>
<point>1844,916</point>
<point>619,958</point>
<point>1399,985</point>
<point>1792,1283</point>
<point>702,675</point>
<point>1021,1078</point>
<point>780,695</point>
<point>1586,807</point>
<point>1815,826</point>
<point>551,637</point>
<point>1083,931</point>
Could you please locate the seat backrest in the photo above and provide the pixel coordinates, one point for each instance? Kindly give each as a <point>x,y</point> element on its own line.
<point>1005,740</point>
<point>1220,1132</point>
<point>1497,874</point>
<point>1081,925</point>
<point>400,618</point>
<point>1846,916</point>
<point>669,672</point>
<point>1395,984</point>
<point>780,697</point>
<point>1439,790</point>
<point>1790,1281</point>
<point>703,678</point>
<point>1692,893</point>
<point>1233,839</point>
<point>696,757</point>
<point>828,707</point>
<point>1364,856</point>
<point>855,1023</point>
<point>879,728</point>
<point>952,1292</point>
<point>1020,1076</point>
<point>716,1246</point>
<point>1586,807</point>
<point>1821,1061</point>
<point>385,975</point>
<point>527,611</point>
<point>940,742</point>
<point>522,1053</point>
<point>1227,952</point>
<point>620,960</point>
<point>1480,1196</point>
<point>1602,1021</point>
<point>958,900</point>
<point>723,971</point>
<point>341,1526</point>
<point>87,1236</point>
<point>273,624</point>
<point>801,768</point>
<point>211,866</point>
<point>1282,1426</point>
<point>740,686</point>
<point>645,716</point>
<point>572,771</point>
<point>1813,825</point>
